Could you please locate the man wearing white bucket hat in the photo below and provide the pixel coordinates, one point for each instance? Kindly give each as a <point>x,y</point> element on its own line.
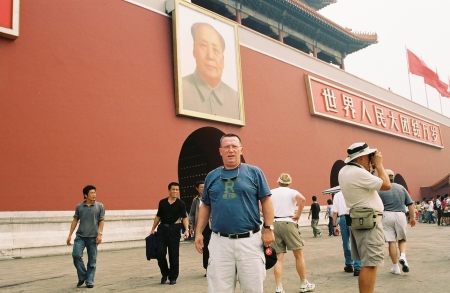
<point>287,235</point>
<point>360,189</point>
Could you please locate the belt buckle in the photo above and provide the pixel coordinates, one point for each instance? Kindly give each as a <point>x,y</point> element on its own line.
<point>233,236</point>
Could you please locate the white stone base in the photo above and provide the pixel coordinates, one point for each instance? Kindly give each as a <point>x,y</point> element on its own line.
<point>32,234</point>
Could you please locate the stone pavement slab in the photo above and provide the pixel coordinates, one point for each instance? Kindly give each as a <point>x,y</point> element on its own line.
<point>129,271</point>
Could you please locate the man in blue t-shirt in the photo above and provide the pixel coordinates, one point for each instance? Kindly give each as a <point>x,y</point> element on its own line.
<point>231,196</point>
<point>394,222</point>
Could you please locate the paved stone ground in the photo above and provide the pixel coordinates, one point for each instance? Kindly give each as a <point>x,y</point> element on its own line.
<point>129,271</point>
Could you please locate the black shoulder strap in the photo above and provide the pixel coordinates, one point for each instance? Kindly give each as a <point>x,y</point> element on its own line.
<point>354,164</point>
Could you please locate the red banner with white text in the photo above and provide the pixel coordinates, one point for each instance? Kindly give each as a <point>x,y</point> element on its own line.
<point>334,102</point>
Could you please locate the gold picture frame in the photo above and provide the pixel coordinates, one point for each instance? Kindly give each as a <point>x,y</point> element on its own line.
<point>207,65</point>
<point>9,19</point>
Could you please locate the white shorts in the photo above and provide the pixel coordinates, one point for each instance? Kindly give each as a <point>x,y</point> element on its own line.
<point>230,257</point>
<point>394,226</point>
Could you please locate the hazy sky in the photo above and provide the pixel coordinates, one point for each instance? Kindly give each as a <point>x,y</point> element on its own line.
<point>421,26</point>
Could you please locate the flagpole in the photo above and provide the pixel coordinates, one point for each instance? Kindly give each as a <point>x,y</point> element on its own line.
<point>409,77</point>
<point>425,85</point>
<point>426,93</point>
<point>440,96</point>
<point>448,88</point>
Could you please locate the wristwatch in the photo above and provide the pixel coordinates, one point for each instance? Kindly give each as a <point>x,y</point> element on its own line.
<point>270,227</point>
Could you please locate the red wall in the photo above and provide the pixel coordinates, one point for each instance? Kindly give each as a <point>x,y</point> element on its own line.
<point>87,97</point>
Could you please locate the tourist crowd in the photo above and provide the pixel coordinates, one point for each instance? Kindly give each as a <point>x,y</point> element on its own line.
<point>434,211</point>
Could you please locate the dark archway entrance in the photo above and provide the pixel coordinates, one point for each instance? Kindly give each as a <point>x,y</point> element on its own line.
<point>337,166</point>
<point>198,156</point>
<point>400,180</point>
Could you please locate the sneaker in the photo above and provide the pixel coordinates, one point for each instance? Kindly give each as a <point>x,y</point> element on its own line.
<point>404,263</point>
<point>348,269</point>
<point>395,271</point>
<point>356,273</point>
<point>307,287</point>
<point>319,234</point>
<point>80,283</point>
<point>279,290</point>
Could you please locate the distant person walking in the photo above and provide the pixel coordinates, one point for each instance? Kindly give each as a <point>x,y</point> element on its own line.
<point>430,210</point>
<point>438,209</point>
<point>171,217</point>
<point>314,215</point>
<point>394,222</point>
<point>193,216</point>
<point>91,215</point>
<point>329,216</point>
<point>340,215</point>
<point>287,235</point>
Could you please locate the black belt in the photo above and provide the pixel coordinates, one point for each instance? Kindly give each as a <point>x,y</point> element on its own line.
<point>168,225</point>
<point>395,211</point>
<point>343,215</point>
<point>237,236</point>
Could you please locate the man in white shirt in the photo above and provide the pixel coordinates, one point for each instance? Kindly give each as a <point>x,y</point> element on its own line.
<point>340,213</point>
<point>287,236</point>
<point>360,189</point>
<point>430,211</point>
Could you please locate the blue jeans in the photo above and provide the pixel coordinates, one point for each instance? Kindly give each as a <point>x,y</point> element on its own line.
<point>91,246</point>
<point>430,217</point>
<point>345,234</point>
<point>330,226</point>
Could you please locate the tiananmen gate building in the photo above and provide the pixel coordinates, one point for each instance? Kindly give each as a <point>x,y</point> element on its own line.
<point>93,92</point>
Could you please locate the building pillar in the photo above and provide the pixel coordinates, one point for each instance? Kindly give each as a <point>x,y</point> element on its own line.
<point>238,16</point>
<point>280,35</point>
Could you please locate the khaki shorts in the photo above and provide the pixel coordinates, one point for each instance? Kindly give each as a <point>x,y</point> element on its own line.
<point>368,246</point>
<point>287,235</point>
<point>394,226</point>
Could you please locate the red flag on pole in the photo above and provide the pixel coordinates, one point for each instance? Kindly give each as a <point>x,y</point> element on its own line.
<point>439,85</point>
<point>418,67</point>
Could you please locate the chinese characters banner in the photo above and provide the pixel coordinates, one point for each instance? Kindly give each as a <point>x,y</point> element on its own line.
<point>330,101</point>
